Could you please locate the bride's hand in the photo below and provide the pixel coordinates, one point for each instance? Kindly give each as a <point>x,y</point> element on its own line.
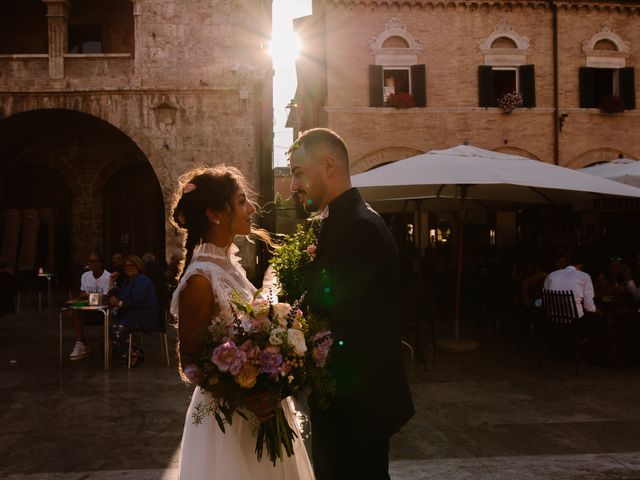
<point>261,405</point>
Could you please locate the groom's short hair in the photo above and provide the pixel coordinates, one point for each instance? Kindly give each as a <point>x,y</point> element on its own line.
<point>316,138</point>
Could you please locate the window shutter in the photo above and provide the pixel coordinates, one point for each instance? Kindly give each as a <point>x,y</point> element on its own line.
<point>528,85</point>
<point>419,85</point>
<point>628,88</point>
<point>485,86</point>
<point>587,87</point>
<point>376,98</point>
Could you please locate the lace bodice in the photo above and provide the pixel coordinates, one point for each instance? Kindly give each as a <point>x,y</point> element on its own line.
<point>222,268</point>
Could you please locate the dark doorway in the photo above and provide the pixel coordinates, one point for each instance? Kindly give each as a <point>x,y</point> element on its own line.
<point>134,212</point>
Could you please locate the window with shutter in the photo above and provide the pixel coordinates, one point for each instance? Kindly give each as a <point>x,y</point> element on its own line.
<point>376,98</point>
<point>485,86</point>
<point>627,87</point>
<point>587,87</point>
<point>528,85</point>
<point>419,85</point>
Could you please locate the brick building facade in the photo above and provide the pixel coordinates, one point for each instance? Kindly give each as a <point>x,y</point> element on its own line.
<point>456,58</point>
<point>103,104</point>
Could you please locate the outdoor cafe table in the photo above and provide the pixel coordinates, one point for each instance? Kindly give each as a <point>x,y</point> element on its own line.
<point>105,310</point>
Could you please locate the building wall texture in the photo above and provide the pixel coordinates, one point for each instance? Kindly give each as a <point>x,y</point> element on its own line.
<point>187,94</point>
<point>450,34</point>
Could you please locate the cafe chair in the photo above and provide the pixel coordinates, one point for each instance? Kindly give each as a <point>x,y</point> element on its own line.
<point>562,321</point>
<point>161,328</point>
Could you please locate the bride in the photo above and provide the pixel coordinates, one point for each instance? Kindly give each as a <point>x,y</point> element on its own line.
<point>213,207</point>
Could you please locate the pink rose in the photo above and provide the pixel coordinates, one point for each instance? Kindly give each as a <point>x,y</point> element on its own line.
<point>311,251</point>
<point>228,358</point>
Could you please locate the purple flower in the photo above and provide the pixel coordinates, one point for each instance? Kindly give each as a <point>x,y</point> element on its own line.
<point>228,358</point>
<point>192,372</point>
<point>270,360</point>
<point>322,342</point>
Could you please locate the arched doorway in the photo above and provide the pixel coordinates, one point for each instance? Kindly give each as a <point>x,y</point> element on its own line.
<point>133,219</point>
<point>66,158</point>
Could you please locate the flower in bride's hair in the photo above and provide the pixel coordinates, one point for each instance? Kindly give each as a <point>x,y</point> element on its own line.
<point>188,188</point>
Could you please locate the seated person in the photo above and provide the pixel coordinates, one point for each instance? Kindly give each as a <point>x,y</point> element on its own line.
<point>96,280</point>
<point>117,269</point>
<point>137,308</point>
<point>7,289</point>
<point>611,282</point>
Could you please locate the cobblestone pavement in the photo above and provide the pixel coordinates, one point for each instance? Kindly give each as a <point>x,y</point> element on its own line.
<point>489,414</point>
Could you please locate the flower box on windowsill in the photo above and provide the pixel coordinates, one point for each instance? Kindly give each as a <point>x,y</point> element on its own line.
<point>510,101</point>
<point>611,104</point>
<point>399,100</point>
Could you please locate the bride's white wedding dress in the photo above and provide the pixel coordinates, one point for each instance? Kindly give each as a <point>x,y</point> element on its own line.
<point>206,452</point>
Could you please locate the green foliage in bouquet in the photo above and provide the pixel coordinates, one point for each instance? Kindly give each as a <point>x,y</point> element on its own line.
<point>289,261</point>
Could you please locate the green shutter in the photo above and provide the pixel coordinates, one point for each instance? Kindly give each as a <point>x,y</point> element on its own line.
<point>485,86</point>
<point>587,88</point>
<point>528,85</point>
<point>628,87</point>
<point>376,97</point>
<point>419,85</point>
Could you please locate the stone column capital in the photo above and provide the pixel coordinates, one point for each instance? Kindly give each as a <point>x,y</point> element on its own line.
<point>57,8</point>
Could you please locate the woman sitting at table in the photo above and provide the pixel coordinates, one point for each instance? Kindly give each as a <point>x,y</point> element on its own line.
<point>137,308</point>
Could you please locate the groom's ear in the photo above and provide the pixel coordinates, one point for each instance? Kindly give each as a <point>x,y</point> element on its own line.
<point>329,165</point>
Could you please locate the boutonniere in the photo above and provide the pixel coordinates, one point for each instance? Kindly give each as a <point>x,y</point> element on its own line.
<point>311,251</point>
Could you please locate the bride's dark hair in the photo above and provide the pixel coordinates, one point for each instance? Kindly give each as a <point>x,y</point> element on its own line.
<point>203,188</point>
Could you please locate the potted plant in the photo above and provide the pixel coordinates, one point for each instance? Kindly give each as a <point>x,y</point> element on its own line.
<point>510,101</point>
<point>611,104</point>
<point>399,100</point>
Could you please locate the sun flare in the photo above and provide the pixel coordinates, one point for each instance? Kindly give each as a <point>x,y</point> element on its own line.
<point>284,47</point>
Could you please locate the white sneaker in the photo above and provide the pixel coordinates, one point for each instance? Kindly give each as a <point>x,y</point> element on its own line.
<point>79,352</point>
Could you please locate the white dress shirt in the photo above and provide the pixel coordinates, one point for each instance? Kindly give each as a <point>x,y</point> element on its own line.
<point>572,279</point>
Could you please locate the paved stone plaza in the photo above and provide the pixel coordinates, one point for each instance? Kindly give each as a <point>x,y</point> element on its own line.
<point>490,414</point>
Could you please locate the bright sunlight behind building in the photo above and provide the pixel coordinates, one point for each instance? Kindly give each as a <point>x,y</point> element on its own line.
<point>284,47</point>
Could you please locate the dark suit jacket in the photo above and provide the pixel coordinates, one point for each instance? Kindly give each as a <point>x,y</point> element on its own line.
<point>353,283</point>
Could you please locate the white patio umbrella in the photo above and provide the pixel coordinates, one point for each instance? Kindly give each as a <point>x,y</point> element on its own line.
<point>468,172</point>
<point>623,170</point>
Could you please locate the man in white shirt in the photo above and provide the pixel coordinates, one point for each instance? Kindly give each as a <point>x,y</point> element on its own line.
<point>591,324</point>
<point>97,279</point>
<point>573,278</point>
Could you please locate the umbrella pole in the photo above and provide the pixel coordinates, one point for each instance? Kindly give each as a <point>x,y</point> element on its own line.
<point>463,198</point>
<point>457,344</point>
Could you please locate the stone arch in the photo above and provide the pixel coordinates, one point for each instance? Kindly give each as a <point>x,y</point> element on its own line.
<point>606,58</point>
<point>597,155</point>
<point>84,150</point>
<point>495,51</point>
<point>382,156</point>
<point>395,45</point>
<point>109,110</point>
<point>517,151</point>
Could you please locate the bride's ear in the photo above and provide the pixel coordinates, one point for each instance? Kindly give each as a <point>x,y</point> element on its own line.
<point>213,217</point>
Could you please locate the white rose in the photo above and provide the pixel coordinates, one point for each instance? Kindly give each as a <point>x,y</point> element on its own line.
<point>275,338</point>
<point>281,311</point>
<point>296,340</point>
<point>245,322</point>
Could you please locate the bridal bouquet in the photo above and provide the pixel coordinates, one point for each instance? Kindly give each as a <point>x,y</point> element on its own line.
<point>265,347</point>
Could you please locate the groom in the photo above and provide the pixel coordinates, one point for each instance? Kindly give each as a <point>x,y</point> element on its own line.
<point>353,284</point>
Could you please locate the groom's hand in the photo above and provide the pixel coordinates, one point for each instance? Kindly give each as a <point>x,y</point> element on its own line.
<point>261,405</point>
